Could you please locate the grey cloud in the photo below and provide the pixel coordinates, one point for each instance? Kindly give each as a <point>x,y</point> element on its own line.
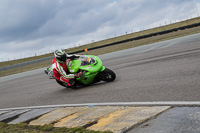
<point>22,17</point>
<point>78,18</point>
<point>48,24</point>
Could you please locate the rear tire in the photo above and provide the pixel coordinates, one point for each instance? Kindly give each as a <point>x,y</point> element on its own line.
<point>108,75</point>
<point>46,71</point>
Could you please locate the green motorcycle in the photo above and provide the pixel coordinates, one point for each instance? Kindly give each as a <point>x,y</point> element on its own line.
<point>92,68</point>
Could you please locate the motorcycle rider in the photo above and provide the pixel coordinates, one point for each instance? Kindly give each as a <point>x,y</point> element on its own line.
<point>59,65</point>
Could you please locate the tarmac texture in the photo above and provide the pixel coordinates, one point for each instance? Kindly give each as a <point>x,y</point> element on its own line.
<point>166,71</point>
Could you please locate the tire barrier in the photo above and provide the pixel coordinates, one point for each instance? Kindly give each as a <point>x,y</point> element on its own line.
<point>141,37</point>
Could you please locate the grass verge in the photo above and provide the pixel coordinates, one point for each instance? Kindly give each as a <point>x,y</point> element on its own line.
<point>24,128</point>
<point>110,40</point>
<point>109,49</point>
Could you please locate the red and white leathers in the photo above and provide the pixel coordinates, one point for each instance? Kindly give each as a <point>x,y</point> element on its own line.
<point>60,71</point>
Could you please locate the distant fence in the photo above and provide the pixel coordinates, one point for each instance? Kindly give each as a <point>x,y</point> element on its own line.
<point>105,45</point>
<point>141,37</point>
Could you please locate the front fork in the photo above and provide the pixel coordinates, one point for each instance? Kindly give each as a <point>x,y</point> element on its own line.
<point>102,68</point>
<point>99,75</point>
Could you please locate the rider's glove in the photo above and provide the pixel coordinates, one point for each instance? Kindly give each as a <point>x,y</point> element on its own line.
<point>78,74</point>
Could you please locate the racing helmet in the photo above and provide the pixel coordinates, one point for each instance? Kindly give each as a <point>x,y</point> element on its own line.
<point>60,55</point>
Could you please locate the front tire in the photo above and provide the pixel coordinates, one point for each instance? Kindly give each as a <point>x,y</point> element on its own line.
<point>108,75</point>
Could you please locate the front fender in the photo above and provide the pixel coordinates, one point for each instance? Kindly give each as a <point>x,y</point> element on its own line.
<point>102,68</point>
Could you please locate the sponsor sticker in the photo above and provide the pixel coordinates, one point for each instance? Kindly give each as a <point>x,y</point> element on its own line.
<point>89,67</point>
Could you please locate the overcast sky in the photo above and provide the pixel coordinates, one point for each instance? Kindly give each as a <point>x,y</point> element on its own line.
<point>39,26</point>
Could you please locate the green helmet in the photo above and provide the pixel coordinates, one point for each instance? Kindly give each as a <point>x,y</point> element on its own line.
<point>60,55</point>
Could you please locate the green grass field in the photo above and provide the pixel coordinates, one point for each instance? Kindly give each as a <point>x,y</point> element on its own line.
<point>113,48</point>
<point>25,128</point>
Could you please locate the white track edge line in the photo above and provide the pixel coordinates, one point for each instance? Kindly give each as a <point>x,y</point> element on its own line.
<point>164,103</point>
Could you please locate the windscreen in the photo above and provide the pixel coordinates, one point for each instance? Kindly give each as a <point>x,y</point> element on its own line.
<point>86,60</point>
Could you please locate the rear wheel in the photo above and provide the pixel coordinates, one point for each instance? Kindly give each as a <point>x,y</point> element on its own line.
<point>108,75</point>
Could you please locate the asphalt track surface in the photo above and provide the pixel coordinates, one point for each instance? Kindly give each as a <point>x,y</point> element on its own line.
<point>164,71</point>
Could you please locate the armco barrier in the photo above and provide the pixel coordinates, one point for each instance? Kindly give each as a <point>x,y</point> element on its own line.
<point>24,63</point>
<point>142,37</point>
<point>105,45</point>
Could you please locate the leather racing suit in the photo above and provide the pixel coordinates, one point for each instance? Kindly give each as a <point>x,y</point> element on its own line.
<point>60,70</point>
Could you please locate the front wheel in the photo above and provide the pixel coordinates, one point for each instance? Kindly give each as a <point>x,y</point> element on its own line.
<point>108,75</point>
